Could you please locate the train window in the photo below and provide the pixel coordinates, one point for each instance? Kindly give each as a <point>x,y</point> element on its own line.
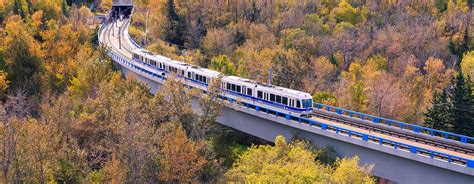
<point>259,94</point>
<point>189,75</point>
<point>307,103</point>
<point>228,86</point>
<point>249,91</point>
<point>284,100</point>
<point>278,99</point>
<point>232,87</point>
<point>298,104</point>
<point>272,97</point>
<point>204,79</point>
<point>238,88</point>
<point>182,72</point>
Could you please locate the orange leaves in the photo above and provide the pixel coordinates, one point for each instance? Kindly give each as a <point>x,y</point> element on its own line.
<point>180,158</point>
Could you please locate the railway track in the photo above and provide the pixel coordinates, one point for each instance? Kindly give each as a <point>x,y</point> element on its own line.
<point>394,134</point>
<point>375,129</point>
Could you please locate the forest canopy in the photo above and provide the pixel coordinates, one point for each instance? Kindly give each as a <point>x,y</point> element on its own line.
<point>386,58</point>
<point>68,116</point>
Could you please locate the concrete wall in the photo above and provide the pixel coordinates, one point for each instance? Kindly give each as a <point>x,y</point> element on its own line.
<point>395,165</point>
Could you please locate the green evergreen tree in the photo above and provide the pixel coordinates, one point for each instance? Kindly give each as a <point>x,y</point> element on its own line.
<point>438,115</point>
<point>22,13</point>
<point>16,7</point>
<point>30,7</point>
<point>462,109</point>
<point>64,8</point>
<point>441,5</point>
<point>458,49</point>
<point>175,30</point>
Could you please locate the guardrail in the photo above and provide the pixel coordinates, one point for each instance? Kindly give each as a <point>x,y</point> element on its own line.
<point>394,123</point>
<point>326,127</point>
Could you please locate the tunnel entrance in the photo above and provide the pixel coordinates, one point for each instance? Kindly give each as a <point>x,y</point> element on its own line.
<point>120,8</point>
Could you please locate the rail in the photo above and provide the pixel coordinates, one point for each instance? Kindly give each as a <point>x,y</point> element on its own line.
<point>394,123</point>
<point>326,127</point>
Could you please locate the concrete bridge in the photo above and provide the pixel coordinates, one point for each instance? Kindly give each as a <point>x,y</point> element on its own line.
<point>400,154</point>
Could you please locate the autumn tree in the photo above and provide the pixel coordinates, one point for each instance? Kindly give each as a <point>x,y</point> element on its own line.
<point>179,159</point>
<point>282,163</point>
<point>467,63</point>
<point>177,102</point>
<point>211,105</point>
<point>23,56</point>
<point>348,170</point>
<point>293,162</point>
<point>218,41</point>
<point>223,64</point>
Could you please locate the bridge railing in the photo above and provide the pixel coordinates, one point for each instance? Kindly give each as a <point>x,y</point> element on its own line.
<point>394,123</point>
<point>326,127</point>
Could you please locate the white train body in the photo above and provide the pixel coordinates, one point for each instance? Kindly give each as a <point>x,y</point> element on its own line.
<point>273,98</point>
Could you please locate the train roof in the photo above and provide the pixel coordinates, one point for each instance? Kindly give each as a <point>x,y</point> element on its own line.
<point>205,71</point>
<point>212,73</point>
<point>270,87</point>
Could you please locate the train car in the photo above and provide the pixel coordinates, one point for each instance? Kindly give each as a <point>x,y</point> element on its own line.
<point>194,76</point>
<point>274,98</point>
<point>201,78</point>
<point>269,97</point>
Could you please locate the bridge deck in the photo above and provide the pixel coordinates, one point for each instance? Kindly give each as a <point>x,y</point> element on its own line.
<point>394,138</point>
<point>113,42</point>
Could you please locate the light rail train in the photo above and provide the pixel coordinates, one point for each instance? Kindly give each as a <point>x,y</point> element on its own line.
<point>270,97</point>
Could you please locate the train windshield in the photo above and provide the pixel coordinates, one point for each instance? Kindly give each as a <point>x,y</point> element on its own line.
<point>308,103</point>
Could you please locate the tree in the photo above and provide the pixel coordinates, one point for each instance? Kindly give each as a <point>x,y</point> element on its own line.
<point>348,171</point>
<point>176,27</point>
<point>459,48</point>
<point>283,163</point>
<point>463,105</point>
<point>325,98</point>
<point>218,41</point>
<point>180,160</point>
<point>177,102</point>
<point>437,77</point>
<point>211,106</point>
<point>346,13</point>
<point>293,163</point>
<point>223,64</point>
<point>322,75</point>
<point>93,70</point>
<point>467,64</point>
<point>23,56</point>
<point>4,83</point>
<point>438,115</point>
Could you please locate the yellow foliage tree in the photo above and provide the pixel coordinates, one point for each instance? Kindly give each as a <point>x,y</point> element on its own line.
<point>467,64</point>
<point>283,163</point>
<point>348,171</point>
<point>4,83</point>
